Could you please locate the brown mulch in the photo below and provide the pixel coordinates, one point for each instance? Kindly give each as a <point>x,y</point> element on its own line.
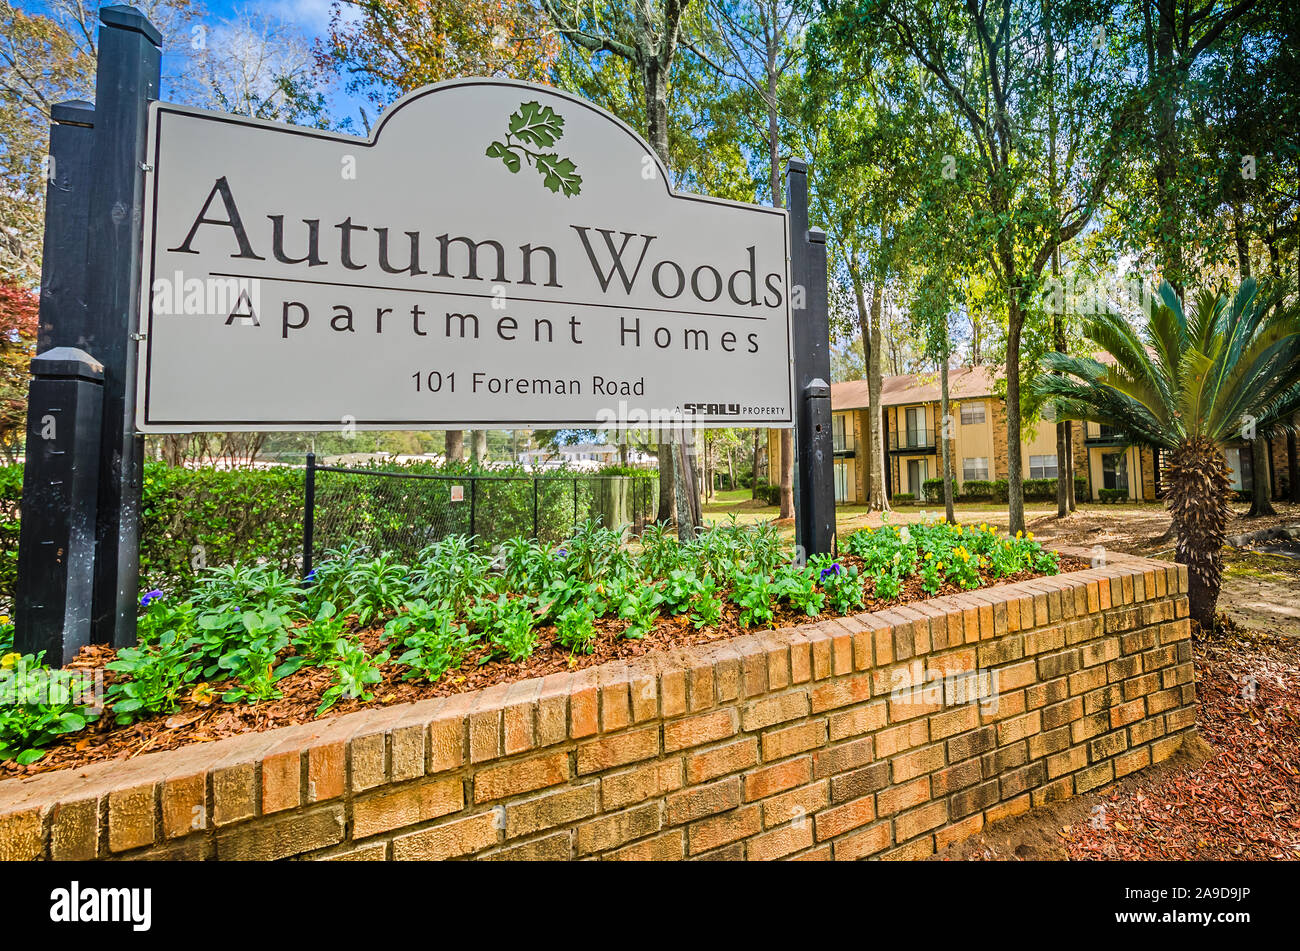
<point>302,690</point>
<point>1233,792</point>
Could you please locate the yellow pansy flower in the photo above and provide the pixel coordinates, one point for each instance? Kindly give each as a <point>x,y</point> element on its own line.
<point>10,660</point>
<point>202,694</point>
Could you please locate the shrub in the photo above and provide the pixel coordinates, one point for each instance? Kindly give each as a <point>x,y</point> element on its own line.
<point>904,498</point>
<point>1112,495</point>
<point>769,494</point>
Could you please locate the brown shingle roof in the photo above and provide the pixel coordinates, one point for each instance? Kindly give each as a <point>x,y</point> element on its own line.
<point>963,383</point>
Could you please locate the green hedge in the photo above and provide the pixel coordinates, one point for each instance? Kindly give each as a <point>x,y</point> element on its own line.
<point>1112,495</point>
<point>1035,490</point>
<point>904,498</point>
<point>189,518</point>
<point>770,494</point>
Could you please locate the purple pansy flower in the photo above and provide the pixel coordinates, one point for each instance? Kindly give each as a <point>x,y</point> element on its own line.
<point>150,597</point>
<point>834,569</point>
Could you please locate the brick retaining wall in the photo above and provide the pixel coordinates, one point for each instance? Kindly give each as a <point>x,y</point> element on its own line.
<point>793,742</point>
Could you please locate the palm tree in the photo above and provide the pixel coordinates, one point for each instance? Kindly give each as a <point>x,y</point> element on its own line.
<point>1187,384</point>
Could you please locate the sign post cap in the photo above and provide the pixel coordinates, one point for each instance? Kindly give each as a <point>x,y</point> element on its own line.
<point>129,18</point>
<point>67,362</point>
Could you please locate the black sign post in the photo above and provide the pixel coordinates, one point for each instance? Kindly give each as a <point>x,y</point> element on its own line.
<point>126,80</point>
<point>814,487</point>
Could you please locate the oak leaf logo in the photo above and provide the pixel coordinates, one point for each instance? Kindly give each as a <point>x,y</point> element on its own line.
<point>533,129</point>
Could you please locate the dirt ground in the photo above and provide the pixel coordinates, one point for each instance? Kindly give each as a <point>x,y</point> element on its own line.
<point>1233,791</point>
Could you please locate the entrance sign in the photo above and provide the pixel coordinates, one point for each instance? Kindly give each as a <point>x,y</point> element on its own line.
<point>497,254</point>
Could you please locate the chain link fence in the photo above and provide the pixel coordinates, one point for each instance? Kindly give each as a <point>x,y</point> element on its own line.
<point>402,512</point>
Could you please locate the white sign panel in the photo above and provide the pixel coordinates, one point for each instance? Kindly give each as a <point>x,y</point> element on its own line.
<point>498,254</point>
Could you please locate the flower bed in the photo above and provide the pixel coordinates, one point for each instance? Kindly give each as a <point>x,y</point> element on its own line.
<point>251,649</point>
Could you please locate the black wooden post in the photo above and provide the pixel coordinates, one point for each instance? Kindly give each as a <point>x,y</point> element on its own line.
<point>126,80</point>
<point>67,200</point>
<point>536,488</point>
<point>56,546</point>
<point>814,473</point>
<point>309,515</point>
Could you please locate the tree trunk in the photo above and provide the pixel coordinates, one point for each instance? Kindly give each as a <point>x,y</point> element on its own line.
<point>478,447</point>
<point>1015,474</point>
<point>1198,497</point>
<point>455,445</point>
<point>878,499</point>
<point>1293,467</point>
<point>1260,489</point>
<point>787,474</point>
<point>945,429</point>
<point>753,481</point>
<point>1063,476</point>
<point>1069,455</point>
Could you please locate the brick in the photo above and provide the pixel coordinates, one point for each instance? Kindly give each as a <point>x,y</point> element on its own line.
<point>282,781</point>
<point>1047,692</point>
<point>184,805</point>
<point>769,711</point>
<point>733,757</point>
<point>788,741</point>
<point>662,848</point>
<point>615,701</point>
<point>855,721</point>
<point>698,730</point>
<point>721,830</point>
<point>917,762</point>
<point>288,834</point>
<point>557,847</point>
<point>1128,713</point>
<point>611,831</point>
<point>1089,727</point>
<point>844,818</point>
<point>1132,761</point>
<point>450,839</point>
<point>768,780</point>
<point>1075,758</point>
<point>406,805</point>
<point>618,749</point>
<point>234,793</point>
<point>903,796</point>
<point>842,757</point>
<point>368,755</point>
<point>1180,719</point>
<point>584,705</point>
<point>1056,791</point>
<point>859,782</point>
<point>551,809</point>
<point>695,802</point>
<point>859,845</point>
<point>972,744</point>
<point>74,830</point>
<point>1047,639</point>
<point>699,687</point>
<point>326,771</point>
<point>955,777</point>
<point>780,842</point>
<point>1006,810</point>
<point>643,688</point>
<point>553,710</point>
<point>795,805</point>
<point>1017,781</point>
<point>900,738</point>
<point>974,799</point>
<point>1059,714</point>
<point>1092,777</point>
<point>518,719</point>
<point>130,818</point>
<point>958,831</point>
<point>1059,664</point>
<point>635,785</point>
<point>918,821</point>
<point>374,852</point>
<point>913,851</point>
<point>1161,750</point>
<point>1049,742</point>
<point>1017,728</point>
<point>840,692</point>
<point>516,776</point>
<point>406,756</point>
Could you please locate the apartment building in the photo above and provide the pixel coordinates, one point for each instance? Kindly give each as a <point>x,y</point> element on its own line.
<point>913,426</point>
<point>978,430</point>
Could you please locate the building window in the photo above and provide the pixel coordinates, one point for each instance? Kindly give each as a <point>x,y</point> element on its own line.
<point>1114,470</point>
<point>841,482</point>
<point>972,413</point>
<point>975,468</point>
<point>839,434</point>
<point>1042,467</point>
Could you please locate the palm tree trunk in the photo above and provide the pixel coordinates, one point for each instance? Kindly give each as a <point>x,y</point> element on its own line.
<point>1260,489</point>
<point>1198,502</point>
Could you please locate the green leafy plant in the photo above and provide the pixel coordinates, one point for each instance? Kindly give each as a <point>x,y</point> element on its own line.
<point>354,671</point>
<point>157,673</point>
<point>843,585</point>
<point>753,594</point>
<point>797,586</point>
<point>640,608</point>
<point>508,624</point>
<point>435,642</point>
<point>575,628</point>
<point>37,706</point>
